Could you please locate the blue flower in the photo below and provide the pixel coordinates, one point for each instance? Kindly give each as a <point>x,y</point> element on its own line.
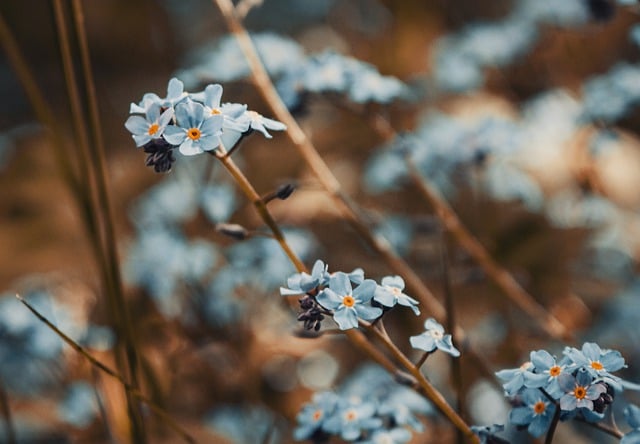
<point>579,391</point>
<point>258,122</point>
<point>434,338</point>
<point>514,378</point>
<point>79,407</point>
<point>487,434</point>
<point>546,372</point>
<point>394,436</point>
<point>351,417</point>
<point>175,94</point>
<point>632,415</point>
<point>536,413</point>
<point>195,133</point>
<point>390,293</point>
<point>231,112</point>
<point>313,415</point>
<point>599,363</point>
<point>349,305</point>
<point>152,126</point>
<point>300,283</point>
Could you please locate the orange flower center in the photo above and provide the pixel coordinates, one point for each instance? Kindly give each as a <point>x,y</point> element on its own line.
<point>348,301</point>
<point>215,111</point>
<point>350,415</point>
<point>539,407</point>
<point>555,371</point>
<point>317,415</point>
<point>596,365</point>
<point>193,133</point>
<point>580,392</point>
<point>153,129</point>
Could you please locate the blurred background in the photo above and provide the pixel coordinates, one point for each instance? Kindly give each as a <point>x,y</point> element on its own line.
<point>522,113</point>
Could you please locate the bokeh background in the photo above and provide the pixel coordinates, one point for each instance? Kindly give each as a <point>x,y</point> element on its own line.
<point>525,113</point>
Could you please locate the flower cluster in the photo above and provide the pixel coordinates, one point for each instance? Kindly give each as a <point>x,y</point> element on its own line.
<point>580,384</point>
<point>370,408</point>
<point>348,297</point>
<point>193,123</point>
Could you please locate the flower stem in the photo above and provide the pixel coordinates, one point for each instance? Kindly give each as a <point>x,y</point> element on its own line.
<point>553,425</point>
<point>10,432</point>
<point>163,415</point>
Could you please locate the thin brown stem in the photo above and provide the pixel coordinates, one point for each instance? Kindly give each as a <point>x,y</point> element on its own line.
<point>161,413</point>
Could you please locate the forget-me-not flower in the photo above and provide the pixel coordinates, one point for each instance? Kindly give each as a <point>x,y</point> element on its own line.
<point>599,363</point>
<point>546,372</point>
<point>315,414</point>
<point>195,132</point>
<point>579,391</point>
<point>300,283</point>
<point>536,413</point>
<point>632,415</point>
<point>351,418</point>
<point>349,304</point>
<point>514,378</point>
<point>390,293</point>
<point>434,338</point>
<point>152,126</point>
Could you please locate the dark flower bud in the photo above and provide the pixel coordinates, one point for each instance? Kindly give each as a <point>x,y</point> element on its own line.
<point>284,191</point>
<point>160,155</point>
<point>234,231</point>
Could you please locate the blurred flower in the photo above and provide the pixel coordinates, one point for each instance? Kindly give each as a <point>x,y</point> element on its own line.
<point>434,338</point>
<point>632,415</point>
<point>314,415</point>
<point>218,202</point>
<point>536,413</point>
<point>245,424</point>
<point>300,283</point>
<point>195,132</point>
<point>349,304</point>
<point>514,379</point>
<point>393,436</point>
<point>351,417</point>
<point>390,293</point>
<point>79,406</point>
<point>487,434</point>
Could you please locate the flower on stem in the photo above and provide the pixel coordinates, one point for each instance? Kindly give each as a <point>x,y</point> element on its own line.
<point>349,304</point>
<point>598,362</point>
<point>434,338</point>
<point>536,412</point>
<point>195,132</point>
<point>260,123</point>
<point>514,378</point>
<point>545,373</point>
<point>351,418</point>
<point>150,127</point>
<point>579,391</point>
<point>175,94</point>
<point>300,283</point>
<point>390,293</point>
<point>314,414</point>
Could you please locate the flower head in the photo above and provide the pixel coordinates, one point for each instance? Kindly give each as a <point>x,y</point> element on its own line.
<point>349,304</point>
<point>514,378</point>
<point>434,338</point>
<point>545,373</point>
<point>194,132</point>
<point>596,361</point>
<point>579,391</point>
<point>536,412</point>
<point>314,415</point>
<point>150,127</point>
<point>351,417</point>
<point>258,122</point>
<point>390,293</point>
<point>300,283</point>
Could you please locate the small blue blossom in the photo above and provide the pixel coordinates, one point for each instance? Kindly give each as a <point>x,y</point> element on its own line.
<point>152,126</point>
<point>349,304</point>
<point>351,417</point>
<point>579,391</point>
<point>195,132</point>
<point>545,373</point>
<point>632,415</point>
<point>390,293</point>
<point>175,94</point>
<point>434,338</point>
<point>258,122</point>
<point>599,363</point>
<point>536,412</point>
<point>514,378</point>
<point>313,415</point>
<point>79,407</point>
<point>231,112</point>
<point>394,436</point>
<point>300,283</point>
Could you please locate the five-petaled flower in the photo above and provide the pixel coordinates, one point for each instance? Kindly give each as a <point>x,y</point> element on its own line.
<point>390,293</point>
<point>536,412</point>
<point>195,132</point>
<point>434,338</point>
<point>150,127</point>
<point>579,391</point>
<point>349,304</point>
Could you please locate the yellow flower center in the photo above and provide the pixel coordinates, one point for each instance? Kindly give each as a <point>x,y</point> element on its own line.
<point>435,334</point>
<point>580,392</point>
<point>539,407</point>
<point>396,291</point>
<point>555,371</point>
<point>153,129</point>
<point>193,133</point>
<point>215,111</point>
<point>348,301</point>
<point>317,415</point>
<point>596,365</point>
